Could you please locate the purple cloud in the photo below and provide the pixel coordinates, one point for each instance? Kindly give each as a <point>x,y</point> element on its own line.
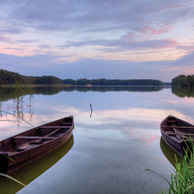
<point>126,44</point>
<point>99,15</point>
<point>90,68</point>
<point>6,39</point>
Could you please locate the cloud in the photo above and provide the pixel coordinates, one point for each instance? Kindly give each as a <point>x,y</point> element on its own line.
<point>6,39</point>
<point>97,68</point>
<point>126,43</point>
<point>156,16</point>
<point>97,38</point>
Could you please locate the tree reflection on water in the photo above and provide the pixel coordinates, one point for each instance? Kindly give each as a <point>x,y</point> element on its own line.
<point>17,109</point>
<point>183,91</point>
<point>16,103</point>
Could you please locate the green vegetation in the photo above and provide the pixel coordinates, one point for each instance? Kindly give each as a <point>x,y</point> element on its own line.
<point>183,85</point>
<point>115,82</point>
<point>183,81</point>
<point>183,92</point>
<point>7,77</point>
<point>11,178</point>
<point>182,177</point>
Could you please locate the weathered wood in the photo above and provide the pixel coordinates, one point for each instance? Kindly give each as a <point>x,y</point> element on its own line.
<point>176,132</point>
<point>180,127</point>
<point>33,137</point>
<point>55,131</point>
<point>66,123</point>
<point>54,127</point>
<point>173,133</point>
<point>33,144</point>
<point>183,132</point>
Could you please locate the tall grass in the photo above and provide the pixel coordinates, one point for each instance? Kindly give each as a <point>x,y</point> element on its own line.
<point>13,179</point>
<point>182,177</point>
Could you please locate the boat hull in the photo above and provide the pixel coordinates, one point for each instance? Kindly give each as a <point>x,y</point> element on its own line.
<point>176,146</point>
<point>36,148</point>
<point>180,129</point>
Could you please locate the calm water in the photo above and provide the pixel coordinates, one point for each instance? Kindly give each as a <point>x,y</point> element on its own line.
<point>110,150</point>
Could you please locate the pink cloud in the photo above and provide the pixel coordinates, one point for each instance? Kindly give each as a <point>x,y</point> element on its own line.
<point>172,69</point>
<point>5,39</point>
<point>147,31</point>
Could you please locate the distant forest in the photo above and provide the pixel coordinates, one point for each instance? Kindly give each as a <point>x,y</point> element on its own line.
<point>7,77</point>
<point>183,81</point>
<point>183,86</point>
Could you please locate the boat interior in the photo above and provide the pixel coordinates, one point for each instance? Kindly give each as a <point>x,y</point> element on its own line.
<point>36,136</point>
<point>178,128</point>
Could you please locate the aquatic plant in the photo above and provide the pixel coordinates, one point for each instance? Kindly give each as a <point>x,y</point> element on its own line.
<point>13,179</point>
<point>182,177</point>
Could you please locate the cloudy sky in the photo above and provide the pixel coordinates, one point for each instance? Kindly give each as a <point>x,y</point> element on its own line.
<point>114,39</point>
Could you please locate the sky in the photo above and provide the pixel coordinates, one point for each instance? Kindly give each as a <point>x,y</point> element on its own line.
<point>113,39</point>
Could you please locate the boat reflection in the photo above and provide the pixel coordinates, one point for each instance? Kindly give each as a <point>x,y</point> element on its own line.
<point>169,153</point>
<point>30,172</point>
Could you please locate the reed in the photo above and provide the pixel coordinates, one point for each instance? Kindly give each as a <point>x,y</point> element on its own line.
<point>8,176</point>
<point>182,177</point>
<point>13,179</point>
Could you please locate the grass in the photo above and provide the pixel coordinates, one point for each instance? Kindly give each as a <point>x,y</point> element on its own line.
<point>13,179</point>
<point>182,177</point>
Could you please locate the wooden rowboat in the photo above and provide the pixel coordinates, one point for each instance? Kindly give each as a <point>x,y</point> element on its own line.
<point>31,171</point>
<point>21,149</point>
<point>177,133</point>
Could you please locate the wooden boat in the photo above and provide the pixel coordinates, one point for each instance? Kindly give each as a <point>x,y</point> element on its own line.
<point>21,149</point>
<point>177,133</point>
<point>31,171</point>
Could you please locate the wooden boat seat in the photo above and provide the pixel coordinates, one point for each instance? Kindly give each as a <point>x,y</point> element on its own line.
<point>33,137</point>
<point>172,133</point>
<point>66,123</point>
<point>54,127</point>
<point>179,127</point>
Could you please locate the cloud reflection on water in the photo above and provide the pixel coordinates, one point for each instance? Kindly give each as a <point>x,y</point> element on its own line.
<point>136,123</point>
<point>114,146</point>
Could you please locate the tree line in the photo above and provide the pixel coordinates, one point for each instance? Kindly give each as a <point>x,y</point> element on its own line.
<point>183,86</point>
<point>183,81</point>
<point>7,77</point>
<point>107,82</point>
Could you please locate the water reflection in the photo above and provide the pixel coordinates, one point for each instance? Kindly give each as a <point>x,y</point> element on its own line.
<point>169,153</point>
<point>183,91</point>
<point>17,110</point>
<point>114,146</point>
<point>30,172</point>
<point>17,103</point>
<point>7,93</point>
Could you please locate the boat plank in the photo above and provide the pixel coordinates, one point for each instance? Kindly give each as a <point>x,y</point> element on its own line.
<point>33,137</point>
<point>27,146</point>
<point>172,133</point>
<point>54,127</point>
<point>180,127</point>
<point>176,132</point>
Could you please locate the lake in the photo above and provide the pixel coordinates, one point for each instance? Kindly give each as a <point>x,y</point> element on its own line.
<point>112,144</point>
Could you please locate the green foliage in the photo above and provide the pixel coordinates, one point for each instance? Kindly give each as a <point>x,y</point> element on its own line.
<point>183,86</point>
<point>11,178</point>
<point>7,77</point>
<point>183,92</point>
<point>116,82</point>
<point>182,178</point>
<point>183,81</point>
